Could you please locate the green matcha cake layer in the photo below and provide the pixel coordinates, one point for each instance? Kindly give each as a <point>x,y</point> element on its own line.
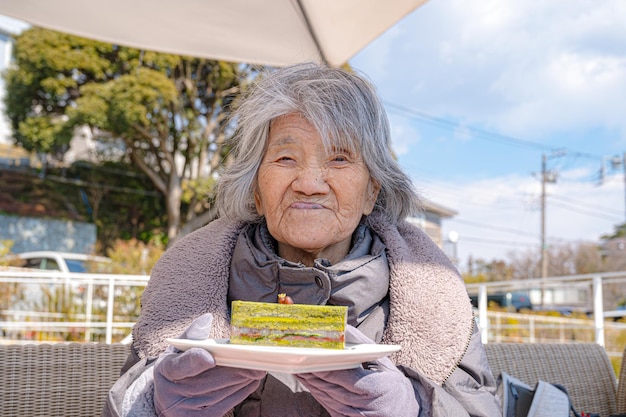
<point>293,325</point>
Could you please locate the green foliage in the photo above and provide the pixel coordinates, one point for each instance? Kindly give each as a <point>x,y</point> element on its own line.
<point>134,256</point>
<point>9,292</point>
<point>42,133</point>
<point>50,69</point>
<point>619,231</point>
<point>92,107</point>
<point>481,271</point>
<point>474,278</point>
<point>132,100</point>
<point>131,257</point>
<point>5,249</point>
<point>120,200</point>
<point>200,186</point>
<point>169,111</point>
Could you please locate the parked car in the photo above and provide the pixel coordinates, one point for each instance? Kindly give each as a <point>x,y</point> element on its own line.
<point>566,310</point>
<point>53,297</point>
<point>63,261</point>
<point>514,301</point>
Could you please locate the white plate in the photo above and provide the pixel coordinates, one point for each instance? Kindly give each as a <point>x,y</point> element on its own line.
<point>287,359</point>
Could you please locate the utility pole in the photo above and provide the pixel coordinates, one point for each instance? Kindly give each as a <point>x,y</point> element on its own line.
<point>624,166</point>
<point>616,161</point>
<point>544,248</point>
<point>546,177</point>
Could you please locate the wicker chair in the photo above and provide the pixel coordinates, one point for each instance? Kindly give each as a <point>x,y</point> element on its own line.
<point>621,387</point>
<point>58,380</point>
<point>583,368</point>
<point>73,379</point>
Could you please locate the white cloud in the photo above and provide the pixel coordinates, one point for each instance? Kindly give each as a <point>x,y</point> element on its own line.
<point>379,54</point>
<point>523,68</point>
<point>546,71</point>
<point>501,215</point>
<point>404,135</point>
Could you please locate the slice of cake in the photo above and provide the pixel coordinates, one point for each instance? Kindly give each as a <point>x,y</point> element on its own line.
<point>291,325</point>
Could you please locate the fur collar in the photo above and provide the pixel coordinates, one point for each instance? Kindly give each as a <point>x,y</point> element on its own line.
<point>430,313</point>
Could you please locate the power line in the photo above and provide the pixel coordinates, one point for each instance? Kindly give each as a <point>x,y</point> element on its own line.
<point>507,205</point>
<point>546,176</point>
<point>452,190</point>
<point>438,188</point>
<point>581,211</point>
<point>502,229</point>
<point>444,123</point>
<point>498,242</point>
<point>481,133</point>
<point>585,205</point>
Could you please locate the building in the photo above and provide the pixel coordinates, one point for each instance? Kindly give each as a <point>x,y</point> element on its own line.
<point>10,155</point>
<point>430,219</point>
<point>8,28</point>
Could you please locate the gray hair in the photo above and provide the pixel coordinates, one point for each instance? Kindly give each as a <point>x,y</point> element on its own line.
<point>346,111</point>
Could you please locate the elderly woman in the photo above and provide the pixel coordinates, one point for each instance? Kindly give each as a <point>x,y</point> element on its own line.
<point>312,206</point>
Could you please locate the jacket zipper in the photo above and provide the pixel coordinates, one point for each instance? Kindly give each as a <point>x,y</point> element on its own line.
<point>467,342</point>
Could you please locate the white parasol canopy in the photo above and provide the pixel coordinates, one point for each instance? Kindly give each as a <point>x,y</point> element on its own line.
<point>269,32</point>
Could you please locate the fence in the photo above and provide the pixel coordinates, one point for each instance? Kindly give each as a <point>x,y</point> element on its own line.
<point>55,306</point>
<point>590,326</point>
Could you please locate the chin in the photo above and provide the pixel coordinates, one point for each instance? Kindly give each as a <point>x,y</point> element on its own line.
<point>309,246</point>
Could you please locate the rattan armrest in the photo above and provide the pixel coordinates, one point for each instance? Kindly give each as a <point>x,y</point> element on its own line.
<point>583,368</point>
<point>58,380</point>
<point>621,386</point>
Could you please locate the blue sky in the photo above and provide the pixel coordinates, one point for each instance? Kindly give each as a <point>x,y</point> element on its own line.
<point>477,92</point>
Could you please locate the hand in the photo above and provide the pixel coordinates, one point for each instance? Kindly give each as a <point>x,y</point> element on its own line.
<point>380,389</point>
<point>190,384</point>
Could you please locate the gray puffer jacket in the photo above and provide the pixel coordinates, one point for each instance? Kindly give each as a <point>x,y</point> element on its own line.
<point>430,314</point>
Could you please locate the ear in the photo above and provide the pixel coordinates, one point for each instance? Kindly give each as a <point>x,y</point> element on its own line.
<point>373,188</point>
<point>258,203</point>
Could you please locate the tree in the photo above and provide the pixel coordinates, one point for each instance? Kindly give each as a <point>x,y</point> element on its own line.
<point>525,264</point>
<point>614,249</point>
<point>619,232</point>
<point>118,198</point>
<point>170,112</point>
<point>480,270</point>
<point>565,259</point>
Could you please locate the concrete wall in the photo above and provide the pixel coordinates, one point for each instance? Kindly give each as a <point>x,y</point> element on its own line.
<point>30,234</point>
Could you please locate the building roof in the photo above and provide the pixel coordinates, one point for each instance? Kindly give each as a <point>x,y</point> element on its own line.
<point>443,212</point>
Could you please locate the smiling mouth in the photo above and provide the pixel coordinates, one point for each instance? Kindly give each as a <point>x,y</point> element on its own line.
<point>306,206</point>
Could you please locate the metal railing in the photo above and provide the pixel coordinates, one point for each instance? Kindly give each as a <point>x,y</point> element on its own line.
<point>50,305</point>
<point>55,306</point>
<point>529,326</point>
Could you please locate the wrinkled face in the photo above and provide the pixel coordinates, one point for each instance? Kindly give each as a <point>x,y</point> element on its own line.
<point>312,200</point>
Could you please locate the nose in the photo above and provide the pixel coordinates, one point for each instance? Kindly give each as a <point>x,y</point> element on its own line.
<point>311,180</point>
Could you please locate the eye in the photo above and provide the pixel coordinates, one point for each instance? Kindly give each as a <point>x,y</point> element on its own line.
<point>286,159</point>
<point>341,157</point>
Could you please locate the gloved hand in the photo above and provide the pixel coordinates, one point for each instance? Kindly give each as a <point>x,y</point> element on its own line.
<point>379,389</point>
<point>190,384</point>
